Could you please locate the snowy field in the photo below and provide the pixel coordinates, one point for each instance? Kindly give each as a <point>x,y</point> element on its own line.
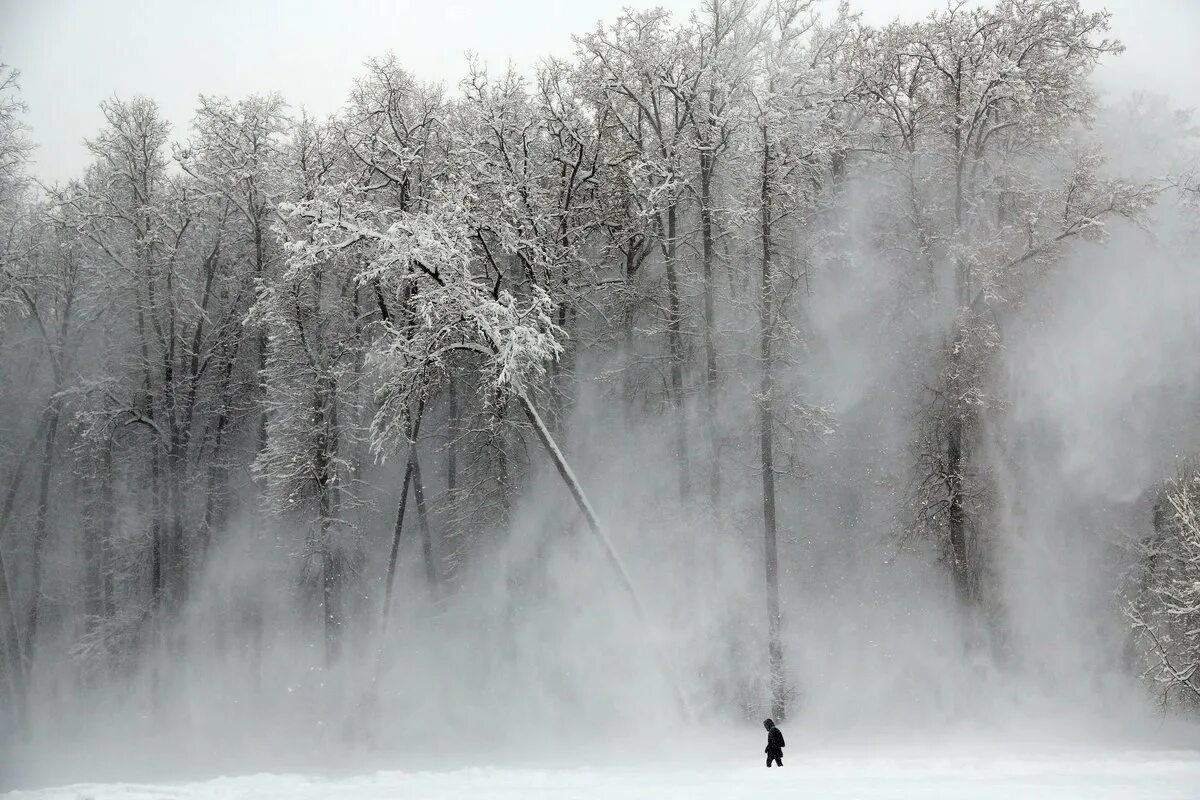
<point>1098,775</point>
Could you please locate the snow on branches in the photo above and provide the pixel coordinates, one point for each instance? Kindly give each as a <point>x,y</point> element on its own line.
<point>444,291</point>
<point>1163,597</point>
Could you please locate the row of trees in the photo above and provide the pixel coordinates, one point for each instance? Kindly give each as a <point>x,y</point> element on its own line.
<point>1162,598</point>
<point>232,333</point>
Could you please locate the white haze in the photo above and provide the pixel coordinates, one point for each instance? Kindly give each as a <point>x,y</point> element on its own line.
<point>537,656</point>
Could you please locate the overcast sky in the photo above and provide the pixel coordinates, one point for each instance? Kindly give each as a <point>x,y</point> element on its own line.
<point>74,53</point>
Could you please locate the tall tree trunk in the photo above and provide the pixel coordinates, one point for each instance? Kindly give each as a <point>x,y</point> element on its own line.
<point>331,613</point>
<point>957,424</point>
<point>18,477</point>
<point>216,482</point>
<point>260,443</point>
<point>258,518</point>
<point>183,560</point>
<point>766,445</point>
<point>502,468</point>
<point>157,556</point>
<point>41,525</point>
<point>675,344</point>
<point>452,432</point>
<point>15,654</point>
<point>627,318</point>
<point>108,513</point>
<point>177,561</point>
<point>325,416</point>
<point>14,657</point>
<point>555,382</point>
<point>157,576</point>
<point>92,532</point>
<point>707,168</point>
<point>960,566</point>
<point>173,549</point>
<point>453,426</point>
<point>146,403</point>
<point>255,611</point>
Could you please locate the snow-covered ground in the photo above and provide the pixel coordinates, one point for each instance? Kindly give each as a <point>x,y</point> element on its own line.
<point>1095,775</point>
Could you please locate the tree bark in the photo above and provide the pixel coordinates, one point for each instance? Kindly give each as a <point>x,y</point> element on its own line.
<point>428,550</point>
<point>766,445</point>
<point>961,571</point>
<point>329,590</point>
<point>452,432</point>
<point>453,424</point>
<point>398,530</point>
<point>675,345</point>
<point>108,513</point>
<point>260,269</point>
<point>593,521</point>
<point>327,485</point>
<point>957,423</point>
<point>14,652</point>
<point>157,567</point>
<point>14,658</point>
<point>216,480</point>
<point>707,168</point>
<point>41,525</point>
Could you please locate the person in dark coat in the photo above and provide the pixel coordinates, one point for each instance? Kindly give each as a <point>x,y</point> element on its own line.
<point>775,744</point>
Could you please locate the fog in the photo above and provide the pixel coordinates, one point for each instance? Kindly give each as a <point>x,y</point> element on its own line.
<point>527,650</point>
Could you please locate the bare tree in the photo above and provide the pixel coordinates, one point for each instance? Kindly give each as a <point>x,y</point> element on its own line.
<point>642,72</point>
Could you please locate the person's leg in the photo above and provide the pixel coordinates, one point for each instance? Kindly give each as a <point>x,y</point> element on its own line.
<point>768,761</point>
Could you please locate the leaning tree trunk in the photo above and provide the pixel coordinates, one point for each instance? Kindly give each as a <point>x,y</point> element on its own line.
<point>369,693</point>
<point>766,444</point>
<point>428,549</point>
<point>398,530</point>
<point>593,521</point>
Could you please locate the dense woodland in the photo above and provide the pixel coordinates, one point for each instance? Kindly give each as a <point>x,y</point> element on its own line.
<point>332,360</point>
